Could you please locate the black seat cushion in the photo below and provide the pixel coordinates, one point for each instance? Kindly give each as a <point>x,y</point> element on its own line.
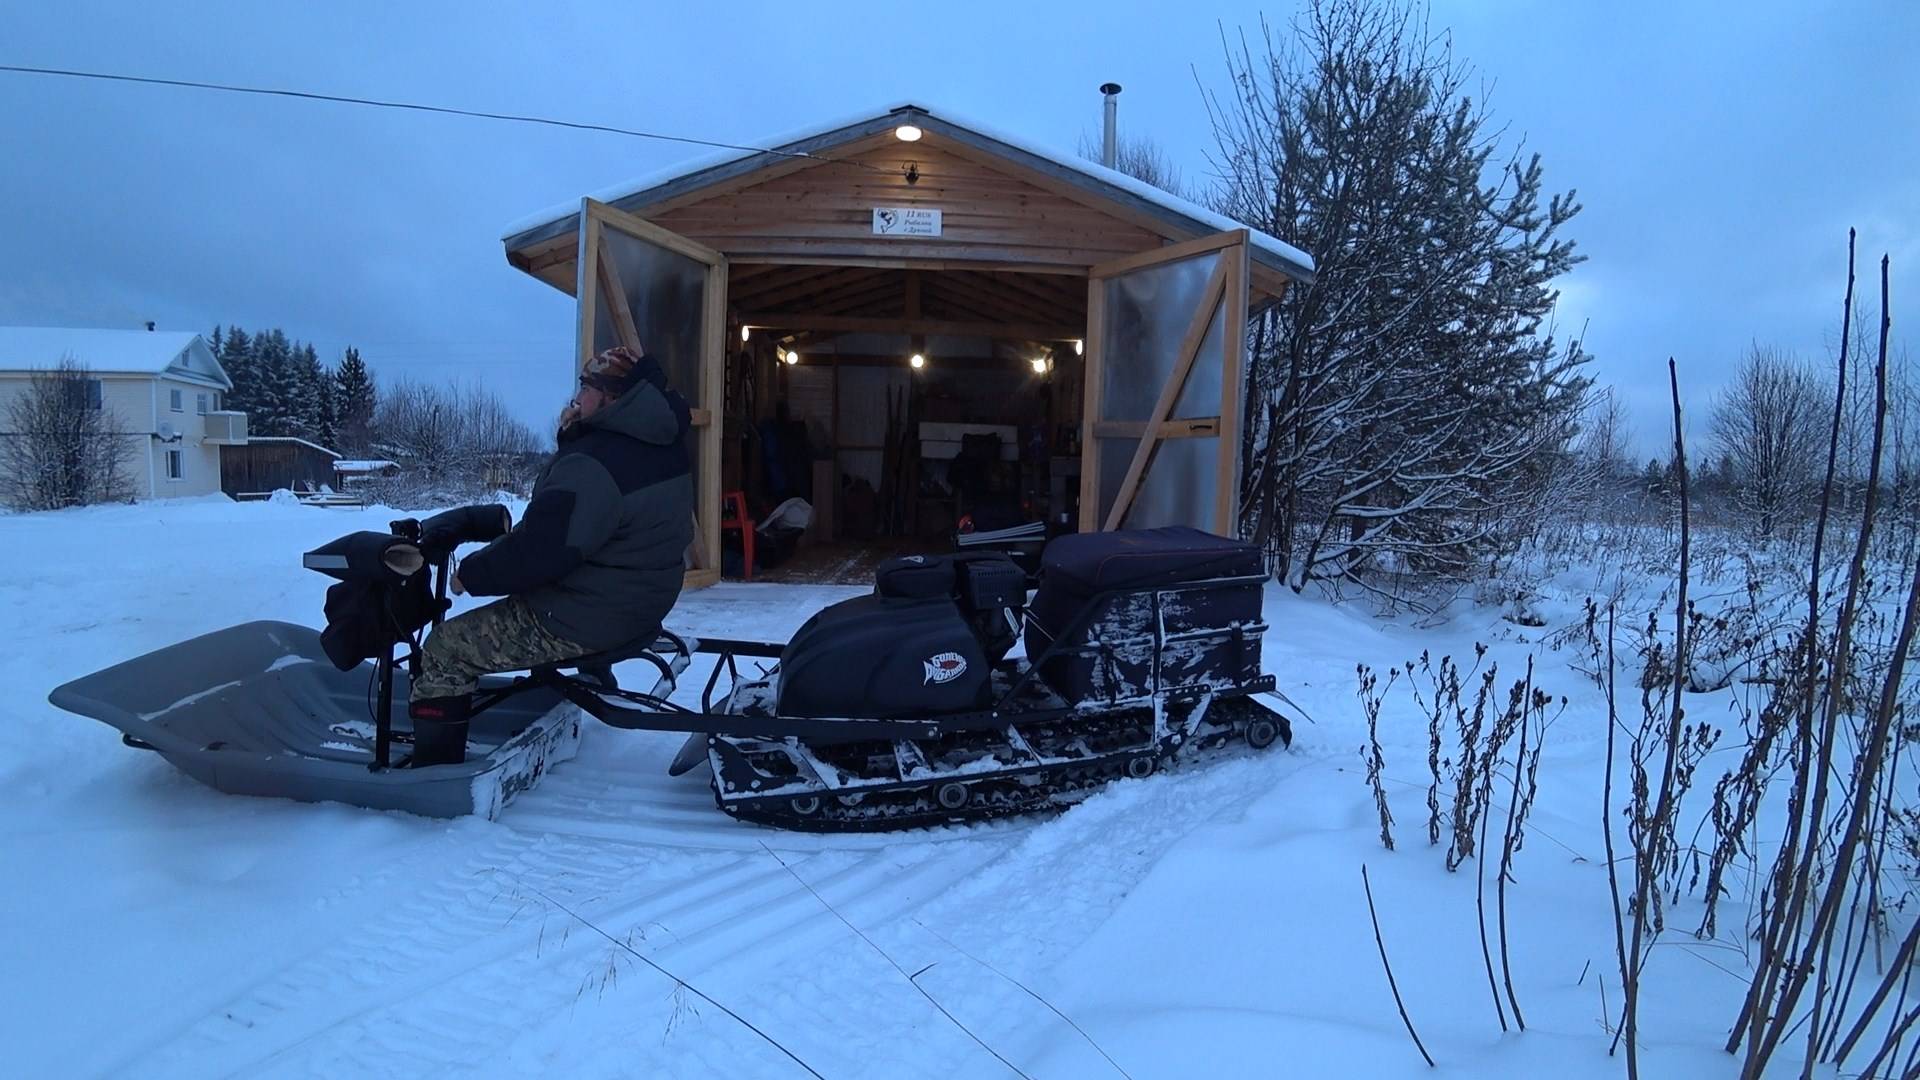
<point>1091,562</point>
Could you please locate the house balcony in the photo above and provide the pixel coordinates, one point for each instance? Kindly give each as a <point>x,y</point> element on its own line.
<point>226,428</point>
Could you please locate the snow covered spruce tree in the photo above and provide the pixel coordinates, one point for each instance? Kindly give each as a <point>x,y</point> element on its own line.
<point>234,348</point>
<point>354,399</point>
<point>311,387</point>
<point>1408,406</point>
<point>281,384</point>
<point>275,397</point>
<point>61,445</point>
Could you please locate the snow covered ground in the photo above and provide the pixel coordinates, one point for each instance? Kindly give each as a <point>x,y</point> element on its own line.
<point>1203,922</point>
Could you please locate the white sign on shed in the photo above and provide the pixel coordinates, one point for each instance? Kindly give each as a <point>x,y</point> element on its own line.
<point>905,221</point>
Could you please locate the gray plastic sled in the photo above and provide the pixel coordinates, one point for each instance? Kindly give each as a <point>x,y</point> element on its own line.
<point>257,709</point>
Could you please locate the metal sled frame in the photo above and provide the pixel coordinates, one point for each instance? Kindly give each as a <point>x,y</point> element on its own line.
<point>1023,700</point>
<point>258,709</point>
<point>654,712</point>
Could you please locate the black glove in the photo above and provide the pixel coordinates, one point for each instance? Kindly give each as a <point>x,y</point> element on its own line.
<point>476,524</point>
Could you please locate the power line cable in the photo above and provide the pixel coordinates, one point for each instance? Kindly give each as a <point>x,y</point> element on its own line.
<point>446,110</point>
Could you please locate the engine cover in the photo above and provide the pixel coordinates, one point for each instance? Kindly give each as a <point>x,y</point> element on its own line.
<point>883,657</point>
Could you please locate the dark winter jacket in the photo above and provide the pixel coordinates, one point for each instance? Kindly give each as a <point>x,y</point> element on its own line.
<point>600,553</point>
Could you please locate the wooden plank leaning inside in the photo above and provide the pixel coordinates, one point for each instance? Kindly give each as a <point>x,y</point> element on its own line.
<point>614,295</point>
<point>1092,378</point>
<point>1210,298</point>
<point>1234,303</point>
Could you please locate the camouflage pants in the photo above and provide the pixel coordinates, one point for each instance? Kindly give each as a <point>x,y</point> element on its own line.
<point>503,636</point>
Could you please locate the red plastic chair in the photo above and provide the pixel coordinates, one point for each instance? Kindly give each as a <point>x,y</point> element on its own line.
<point>733,518</point>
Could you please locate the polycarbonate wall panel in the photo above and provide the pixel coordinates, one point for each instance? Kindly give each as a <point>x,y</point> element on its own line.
<point>1201,394</point>
<point>1179,488</point>
<point>665,291</point>
<point>1115,454</point>
<point>1147,313</point>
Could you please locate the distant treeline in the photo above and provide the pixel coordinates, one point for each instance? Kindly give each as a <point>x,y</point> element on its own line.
<point>452,441</point>
<point>286,389</point>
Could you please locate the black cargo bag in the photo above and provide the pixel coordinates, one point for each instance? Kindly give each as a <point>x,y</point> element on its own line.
<point>1212,632</point>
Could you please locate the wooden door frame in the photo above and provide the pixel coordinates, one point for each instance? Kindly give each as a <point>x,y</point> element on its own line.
<point>704,553</point>
<point>1227,288</point>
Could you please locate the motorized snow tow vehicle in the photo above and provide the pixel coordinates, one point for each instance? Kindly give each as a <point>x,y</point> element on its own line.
<point>896,709</point>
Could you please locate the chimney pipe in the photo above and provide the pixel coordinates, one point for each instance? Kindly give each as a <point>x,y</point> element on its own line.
<point>1110,142</point>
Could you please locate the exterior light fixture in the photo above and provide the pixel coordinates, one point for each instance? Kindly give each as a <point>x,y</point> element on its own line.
<point>907,133</point>
<point>1079,347</point>
<point>746,332</point>
<point>1039,365</point>
<point>917,361</point>
<point>791,357</point>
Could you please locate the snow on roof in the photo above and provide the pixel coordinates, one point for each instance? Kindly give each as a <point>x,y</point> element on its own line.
<point>351,466</point>
<point>1166,200</point>
<point>293,439</point>
<point>141,352</point>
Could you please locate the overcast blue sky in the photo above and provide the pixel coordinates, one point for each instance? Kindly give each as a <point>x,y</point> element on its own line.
<point>1721,151</point>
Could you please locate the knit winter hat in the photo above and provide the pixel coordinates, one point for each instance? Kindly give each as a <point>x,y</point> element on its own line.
<point>617,370</point>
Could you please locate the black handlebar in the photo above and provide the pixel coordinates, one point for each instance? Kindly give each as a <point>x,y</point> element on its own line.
<point>447,530</point>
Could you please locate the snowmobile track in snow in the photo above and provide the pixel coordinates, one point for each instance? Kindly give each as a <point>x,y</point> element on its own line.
<point>450,977</point>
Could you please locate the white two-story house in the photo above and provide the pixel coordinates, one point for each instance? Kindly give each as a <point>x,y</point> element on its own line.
<point>166,388</point>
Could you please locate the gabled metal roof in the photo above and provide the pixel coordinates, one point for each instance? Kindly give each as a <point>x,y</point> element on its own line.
<point>1181,215</point>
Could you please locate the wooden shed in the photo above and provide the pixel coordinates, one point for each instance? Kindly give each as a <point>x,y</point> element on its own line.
<point>848,288</point>
<point>267,463</point>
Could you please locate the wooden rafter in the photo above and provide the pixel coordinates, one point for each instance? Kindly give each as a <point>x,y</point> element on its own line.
<point>894,260</point>
<point>1027,306</point>
<point>1050,289</point>
<point>943,327</point>
<point>807,290</point>
<point>1199,245</point>
<point>540,259</point>
<point>844,289</point>
<point>957,289</point>
<point>878,304</point>
<point>948,304</point>
<point>776,282</point>
<point>1056,308</point>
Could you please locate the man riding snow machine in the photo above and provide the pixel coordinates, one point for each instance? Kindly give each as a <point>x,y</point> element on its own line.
<point>896,709</point>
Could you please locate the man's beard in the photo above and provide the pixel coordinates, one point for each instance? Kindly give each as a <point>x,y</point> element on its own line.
<point>569,416</point>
